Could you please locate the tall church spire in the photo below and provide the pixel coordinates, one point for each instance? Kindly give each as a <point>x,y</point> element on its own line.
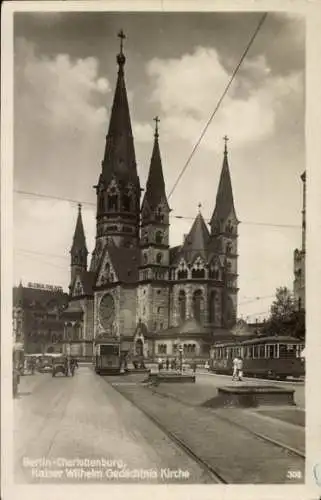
<point>79,240</point>
<point>155,187</point>
<point>78,250</point>
<point>224,207</point>
<point>119,157</point>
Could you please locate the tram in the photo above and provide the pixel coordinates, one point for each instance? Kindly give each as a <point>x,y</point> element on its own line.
<point>271,357</point>
<point>107,357</point>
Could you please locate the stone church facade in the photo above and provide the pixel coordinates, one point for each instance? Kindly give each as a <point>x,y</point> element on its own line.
<point>137,288</point>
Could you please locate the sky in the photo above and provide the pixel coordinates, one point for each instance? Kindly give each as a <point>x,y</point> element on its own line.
<point>177,66</point>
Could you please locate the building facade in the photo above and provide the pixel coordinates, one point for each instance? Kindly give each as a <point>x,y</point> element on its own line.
<point>37,319</point>
<point>299,258</point>
<point>136,287</point>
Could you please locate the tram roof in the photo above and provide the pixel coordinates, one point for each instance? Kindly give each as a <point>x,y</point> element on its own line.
<point>259,340</point>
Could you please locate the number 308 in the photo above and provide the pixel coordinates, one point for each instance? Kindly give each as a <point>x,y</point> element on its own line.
<point>294,474</point>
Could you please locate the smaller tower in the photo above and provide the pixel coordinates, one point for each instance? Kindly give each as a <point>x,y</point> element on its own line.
<point>224,234</point>
<point>78,250</point>
<point>154,243</point>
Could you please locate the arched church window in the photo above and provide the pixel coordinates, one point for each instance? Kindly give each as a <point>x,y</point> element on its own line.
<point>198,273</point>
<point>182,274</point>
<point>113,200</point>
<point>229,248</point>
<point>145,257</point>
<point>159,237</point>
<point>198,304</point>
<point>127,201</point>
<point>182,305</point>
<point>159,258</point>
<point>198,270</point>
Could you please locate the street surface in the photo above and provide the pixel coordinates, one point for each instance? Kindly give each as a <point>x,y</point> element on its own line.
<point>65,418</point>
<point>61,424</point>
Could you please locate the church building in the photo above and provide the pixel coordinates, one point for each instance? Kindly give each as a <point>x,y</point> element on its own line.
<point>137,288</point>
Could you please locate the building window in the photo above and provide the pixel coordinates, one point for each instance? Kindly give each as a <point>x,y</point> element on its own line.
<point>159,258</point>
<point>198,273</point>
<point>126,201</point>
<point>113,201</point>
<point>159,309</point>
<point>159,237</point>
<point>145,257</point>
<point>229,248</point>
<point>182,305</point>
<point>182,274</point>
<point>197,304</point>
<point>162,349</point>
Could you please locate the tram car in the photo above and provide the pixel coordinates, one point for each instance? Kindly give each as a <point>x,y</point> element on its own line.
<point>268,357</point>
<point>107,357</point>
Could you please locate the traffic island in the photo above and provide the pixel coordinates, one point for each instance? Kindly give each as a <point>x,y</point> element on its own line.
<point>168,377</point>
<point>251,397</point>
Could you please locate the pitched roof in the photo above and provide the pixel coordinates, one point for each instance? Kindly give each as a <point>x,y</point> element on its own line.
<point>79,240</point>
<point>125,262</point>
<point>196,241</point>
<point>224,198</point>
<point>155,186</point>
<point>119,157</point>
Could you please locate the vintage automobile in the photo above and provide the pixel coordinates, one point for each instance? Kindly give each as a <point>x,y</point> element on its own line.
<point>60,365</point>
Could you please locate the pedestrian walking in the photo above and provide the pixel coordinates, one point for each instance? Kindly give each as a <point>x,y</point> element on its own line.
<point>194,367</point>
<point>167,364</point>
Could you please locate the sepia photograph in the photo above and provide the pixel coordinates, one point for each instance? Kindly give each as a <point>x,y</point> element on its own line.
<point>159,248</point>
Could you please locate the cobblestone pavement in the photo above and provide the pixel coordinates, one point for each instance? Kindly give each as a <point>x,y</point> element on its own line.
<point>84,417</point>
<point>236,454</point>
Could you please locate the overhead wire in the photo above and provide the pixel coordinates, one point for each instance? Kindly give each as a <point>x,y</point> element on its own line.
<point>260,24</point>
<point>183,217</point>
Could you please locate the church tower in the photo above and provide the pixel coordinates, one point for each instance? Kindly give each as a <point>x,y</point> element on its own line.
<point>118,189</point>
<point>78,250</point>
<point>154,245</point>
<point>224,234</point>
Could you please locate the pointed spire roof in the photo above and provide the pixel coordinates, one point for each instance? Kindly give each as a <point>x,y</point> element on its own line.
<point>196,241</point>
<point>79,240</point>
<point>155,187</point>
<point>224,198</point>
<point>119,158</point>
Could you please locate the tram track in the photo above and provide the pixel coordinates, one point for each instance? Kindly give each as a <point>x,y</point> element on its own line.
<point>217,475</point>
<point>261,436</point>
<point>218,478</point>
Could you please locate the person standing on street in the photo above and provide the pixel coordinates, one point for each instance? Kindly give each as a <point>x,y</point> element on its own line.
<point>239,368</point>
<point>235,364</point>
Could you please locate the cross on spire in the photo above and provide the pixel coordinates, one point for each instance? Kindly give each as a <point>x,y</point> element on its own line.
<point>156,120</point>
<point>226,139</point>
<point>121,35</point>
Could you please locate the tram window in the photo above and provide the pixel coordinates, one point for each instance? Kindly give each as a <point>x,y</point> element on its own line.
<point>261,351</point>
<point>269,351</point>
